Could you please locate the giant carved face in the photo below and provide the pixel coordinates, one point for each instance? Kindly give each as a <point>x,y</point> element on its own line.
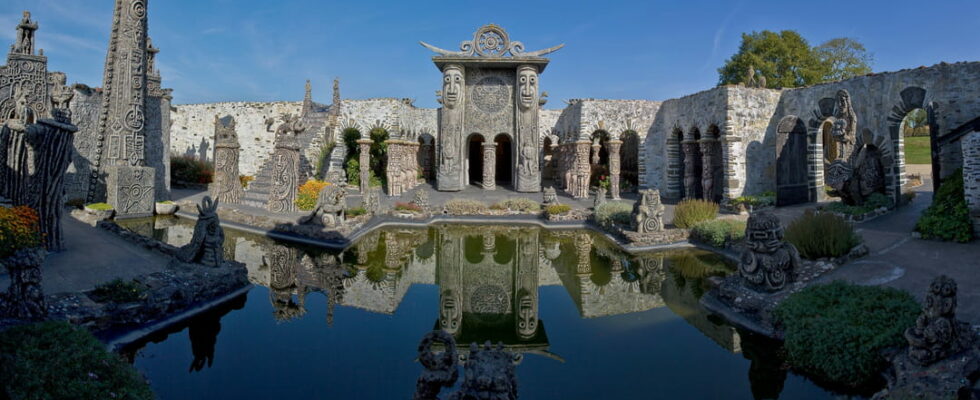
<point>527,83</point>
<point>452,86</point>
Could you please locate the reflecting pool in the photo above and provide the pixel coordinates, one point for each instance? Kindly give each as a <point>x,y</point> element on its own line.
<point>588,320</point>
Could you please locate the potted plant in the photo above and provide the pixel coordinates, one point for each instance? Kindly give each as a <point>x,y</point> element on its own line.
<point>100,211</point>
<point>166,207</point>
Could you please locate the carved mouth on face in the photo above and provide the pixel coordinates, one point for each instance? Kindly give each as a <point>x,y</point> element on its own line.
<point>452,96</point>
<point>526,98</point>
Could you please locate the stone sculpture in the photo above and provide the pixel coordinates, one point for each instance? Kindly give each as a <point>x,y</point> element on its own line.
<point>402,168</point>
<point>937,333</point>
<point>752,81</point>
<point>421,199</point>
<point>285,167</point>
<point>600,197</point>
<point>24,299</point>
<point>330,207</point>
<point>859,171</point>
<point>60,93</point>
<point>207,243</point>
<point>489,372</point>
<point>25,35</point>
<point>550,196</point>
<point>226,185</point>
<point>768,262</point>
<point>648,213</point>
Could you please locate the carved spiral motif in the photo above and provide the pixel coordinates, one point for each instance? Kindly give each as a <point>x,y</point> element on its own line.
<point>138,9</point>
<point>652,225</point>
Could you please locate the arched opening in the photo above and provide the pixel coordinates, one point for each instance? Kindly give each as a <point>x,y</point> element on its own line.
<point>427,155</point>
<point>829,146</point>
<point>379,155</point>
<point>920,160</point>
<point>504,159</point>
<point>599,157</point>
<point>693,168</point>
<point>630,161</point>
<point>474,156</point>
<point>548,162</point>
<point>792,184</point>
<point>352,166</point>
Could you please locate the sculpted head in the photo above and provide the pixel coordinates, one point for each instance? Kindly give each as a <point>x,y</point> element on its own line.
<point>763,232</point>
<point>452,85</point>
<point>527,84</point>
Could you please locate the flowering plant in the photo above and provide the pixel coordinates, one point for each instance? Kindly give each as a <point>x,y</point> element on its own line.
<point>19,229</point>
<point>308,194</point>
<point>604,182</point>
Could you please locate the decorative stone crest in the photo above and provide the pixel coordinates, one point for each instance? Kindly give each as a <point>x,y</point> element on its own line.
<point>648,213</point>
<point>130,190</point>
<point>207,243</point>
<point>768,262</point>
<point>937,333</point>
<point>226,184</point>
<point>491,41</point>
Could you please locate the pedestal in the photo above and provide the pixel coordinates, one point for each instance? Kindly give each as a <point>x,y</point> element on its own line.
<point>129,189</point>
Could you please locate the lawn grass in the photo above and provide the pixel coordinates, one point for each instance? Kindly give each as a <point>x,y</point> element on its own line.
<point>917,150</point>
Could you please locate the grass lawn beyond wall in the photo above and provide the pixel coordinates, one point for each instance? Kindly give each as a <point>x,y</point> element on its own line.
<point>917,150</point>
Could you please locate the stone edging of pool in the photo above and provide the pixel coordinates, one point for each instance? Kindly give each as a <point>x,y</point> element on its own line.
<point>384,222</point>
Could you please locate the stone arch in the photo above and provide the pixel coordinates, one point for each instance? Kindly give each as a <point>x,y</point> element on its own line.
<point>599,156</point>
<point>349,137</point>
<point>504,160</point>
<point>675,164</point>
<point>427,155</point>
<point>548,146</point>
<point>474,158</point>
<point>792,168</point>
<point>630,154</point>
<point>379,152</point>
<point>911,98</point>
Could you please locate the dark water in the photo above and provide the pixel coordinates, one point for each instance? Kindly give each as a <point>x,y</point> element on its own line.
<point>589,320</point>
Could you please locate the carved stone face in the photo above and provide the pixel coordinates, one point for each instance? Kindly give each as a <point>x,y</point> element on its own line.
<point>452,86</point>
<point>527,318</point>
<point>527,83</point>
<point>450,315</point>
<point>839,129</point>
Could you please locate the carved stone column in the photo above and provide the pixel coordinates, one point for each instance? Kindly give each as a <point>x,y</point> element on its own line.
<point>692,177</point>
<point>285,174</point>
<point>708,146</point>
<point>365,163</point>
<point>614,167</point>
<point>581,170</point>
<point>489,166</point>
<point>449,175</point>
<point>528,149</point>
<point>226,186</point>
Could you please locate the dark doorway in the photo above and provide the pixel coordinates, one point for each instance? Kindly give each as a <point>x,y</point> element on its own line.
<point>792,186</point>
<point>630,156</point>
<point>504,159</point>
<point>475,155</point>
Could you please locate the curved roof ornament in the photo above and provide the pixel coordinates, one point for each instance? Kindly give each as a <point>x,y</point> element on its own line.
<point>491,41</point>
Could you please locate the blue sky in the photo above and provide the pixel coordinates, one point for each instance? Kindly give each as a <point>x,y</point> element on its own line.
<point>264,50</point>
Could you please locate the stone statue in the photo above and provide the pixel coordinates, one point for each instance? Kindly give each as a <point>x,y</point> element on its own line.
<point>858,172</point>
<point>23,114</point>
<point>844,130</point>
<point>750,77</point>
<point>761,81</point>
<point>421,199</point>
<point>550,196</point>
<point>291,125</point>
<point>330,207</point>
<point>226,184</point>
<point>61,94</point>
<point>600,197</point>
<point>207,243</point>
<point>25,35</point>
<point>452,86</point>
<point>768,263</point>
<point>937,333</point>
<point>24,298</point>
<point>527,83</point>
<point>648,213</point>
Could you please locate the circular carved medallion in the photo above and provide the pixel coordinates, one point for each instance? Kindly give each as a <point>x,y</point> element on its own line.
<point>490,94</point>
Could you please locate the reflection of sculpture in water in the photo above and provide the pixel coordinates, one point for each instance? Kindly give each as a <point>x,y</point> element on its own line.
<point>281,262</point>
<point>768,262</point>
<point>937,333</point>
<point>766,373</point>
<point>203,332</point>
<point>489,372</point>
<point>450,313</point>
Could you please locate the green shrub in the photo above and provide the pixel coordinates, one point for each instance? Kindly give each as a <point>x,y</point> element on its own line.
<point>948,218</point>
<point>353,172</point>
<point>689,212</point>
<point>837,331</point>
<point>186,169</point>
<point>118,291</point>
<point>53,360</point>
<point>558,209</point>
<point>356,211</point>
<point>818,235</point>
<point>611,213</point>
<point>99,206</point>
<point>520,204</point>
<point>465,206</point>
<point>719,232</point>
<point>765,199</point>
<point>873,202</point>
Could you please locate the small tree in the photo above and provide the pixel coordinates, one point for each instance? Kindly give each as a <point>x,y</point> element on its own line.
<point>843,58</point>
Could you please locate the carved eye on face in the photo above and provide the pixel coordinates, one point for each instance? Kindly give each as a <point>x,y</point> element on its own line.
<point>448,79</point>
<point>523,79</point>
<point>458,78</point>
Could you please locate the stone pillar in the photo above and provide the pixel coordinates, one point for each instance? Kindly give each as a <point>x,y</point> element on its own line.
<point>614,167</point>
<point>581,170</point>
<point>971,177</point>
<point>692,179</point>
<point>285,174</point>
<point>449,168</point>
<point>528,148</point>
<point>226,186</point>
<point>365,163</point>
<point>708,147</point>
<point>489,166</point>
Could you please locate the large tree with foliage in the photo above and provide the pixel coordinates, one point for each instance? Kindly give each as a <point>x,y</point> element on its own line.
<point>786,59</point>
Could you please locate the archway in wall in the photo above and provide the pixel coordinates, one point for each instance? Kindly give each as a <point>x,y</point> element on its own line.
<point>474,159</point>
<point>379,154</point>
<point>792,185</point>
<point>352,159</point>
<point>548,162</point>
<point>427,155</point>
<point>599,157</point>
<point>693,167</point>
<point>629,155</point>
<point>921,155</point>
<point>504,159</point>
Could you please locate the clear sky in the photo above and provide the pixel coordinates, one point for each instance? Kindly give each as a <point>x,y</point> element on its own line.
<point>264,50</point>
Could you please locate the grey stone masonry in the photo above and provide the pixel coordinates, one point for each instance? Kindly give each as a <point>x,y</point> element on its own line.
<point>971,177</point>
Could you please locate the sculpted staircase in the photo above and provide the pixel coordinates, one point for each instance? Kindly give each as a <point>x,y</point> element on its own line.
<point>257,193</point>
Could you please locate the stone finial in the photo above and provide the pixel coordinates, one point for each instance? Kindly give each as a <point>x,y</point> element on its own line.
<point>768,262</point>
<point>25,35</point>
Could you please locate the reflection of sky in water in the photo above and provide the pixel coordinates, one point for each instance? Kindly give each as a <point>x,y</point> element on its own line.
<point>593,321</point>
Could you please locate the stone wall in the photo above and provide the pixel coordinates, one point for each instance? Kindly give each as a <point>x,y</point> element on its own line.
<point>192,132</point>
<point>971,176</point>
<point>85,107</point>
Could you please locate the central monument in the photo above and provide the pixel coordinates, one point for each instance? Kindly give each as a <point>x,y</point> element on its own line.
<point>489,98</point>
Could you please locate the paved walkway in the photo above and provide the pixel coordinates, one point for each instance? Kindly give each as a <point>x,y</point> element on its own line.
<point>93,256</point>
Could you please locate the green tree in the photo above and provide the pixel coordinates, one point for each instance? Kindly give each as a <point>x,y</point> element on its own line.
<point>843,58</point>
<point>784,58</point>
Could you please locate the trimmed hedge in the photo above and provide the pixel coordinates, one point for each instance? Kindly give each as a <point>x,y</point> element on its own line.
<point>818,235</point>
<point>948,218</point>
<point>690,212</point>
<point>836,332</point>
<point>54,360</point>
<point>873,202</point>
<point>719,232</point>
<point>611,213</point>
<point>520,204</point>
